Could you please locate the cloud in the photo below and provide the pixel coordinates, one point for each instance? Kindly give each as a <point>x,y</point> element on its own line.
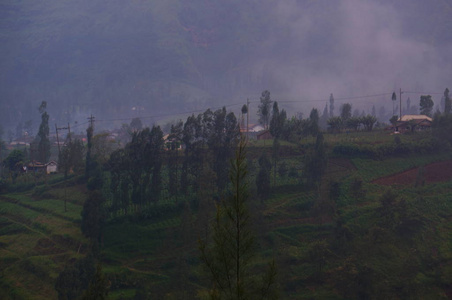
<point>350,48</point>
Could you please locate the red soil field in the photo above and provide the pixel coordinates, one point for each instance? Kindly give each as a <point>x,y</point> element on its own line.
<point>435,172</point>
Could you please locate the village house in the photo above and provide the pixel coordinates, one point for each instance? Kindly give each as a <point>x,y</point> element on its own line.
<point>411,123</point>
<point>251,128</point>
<point>48,168</point>
<point>171,143</point>
<point>264,135</point>
<point>51,167</point>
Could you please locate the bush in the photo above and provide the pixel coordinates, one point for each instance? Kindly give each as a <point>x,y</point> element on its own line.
<point>41,190</point>
<point>94,183</point>
<point>293,173</point>
<point>396,148</point>
<point>346,149</point>
<point>4,186</point>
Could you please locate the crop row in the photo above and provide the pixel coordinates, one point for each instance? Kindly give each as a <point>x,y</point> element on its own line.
<point>369,169</point>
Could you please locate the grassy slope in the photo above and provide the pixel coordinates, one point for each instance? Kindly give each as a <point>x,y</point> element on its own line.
<point>37,239</point>
<point>161,254</point>
<point>289,231</point>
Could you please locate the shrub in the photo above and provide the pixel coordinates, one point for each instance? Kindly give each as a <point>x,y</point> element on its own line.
<point>4,186</point>
<point>41,190</point>
<point>346,149</point>
<point>94,183</point>
<point>293,173</point>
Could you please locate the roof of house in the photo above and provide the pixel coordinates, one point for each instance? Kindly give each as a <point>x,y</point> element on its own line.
<point>36,164</point>
<point>266,131</point>
<point>251,128</point>
<point>407,118</point>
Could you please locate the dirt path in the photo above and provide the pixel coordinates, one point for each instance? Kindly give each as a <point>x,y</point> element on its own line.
<point>18,222</point>
<point>434,172</point>
<point>43,245</point>
<point>37,209</point>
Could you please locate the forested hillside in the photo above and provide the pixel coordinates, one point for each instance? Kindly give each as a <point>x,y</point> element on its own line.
<point>346,213</point>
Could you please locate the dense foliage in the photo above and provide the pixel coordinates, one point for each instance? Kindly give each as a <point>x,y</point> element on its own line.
<point>316,208</point>
<point>141,172</point>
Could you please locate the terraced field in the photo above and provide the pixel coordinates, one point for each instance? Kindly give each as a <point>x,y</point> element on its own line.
<point>434,172</point>
<point>316,238</point>
<point>37,238</point>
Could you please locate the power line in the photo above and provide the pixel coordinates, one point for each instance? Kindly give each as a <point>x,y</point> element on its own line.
<point>169,114</point>
<point>91,121</point>
<point>423,93</point>
<point>335,99</point>
<point>79,124</point>
<point>255,101</point>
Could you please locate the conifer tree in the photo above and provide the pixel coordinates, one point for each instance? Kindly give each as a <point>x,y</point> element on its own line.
<point>98,288</point>
<point>229,258</point>
<point>43,135</point>
<point>331,106</point>
<point>393,98</point>
<point>316,162</point>
<point>277,121</point>
<point>426,105</point>
<point>88,162</point>
<point>264,109</point>
<point>263,177</point>
<point>447,101</point>
<point>314,122</point>
<point>324,118</point>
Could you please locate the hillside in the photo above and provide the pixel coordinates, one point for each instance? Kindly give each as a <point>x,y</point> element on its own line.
<point>359,237</point>
<point>160,57</point>
<point>38,239</point>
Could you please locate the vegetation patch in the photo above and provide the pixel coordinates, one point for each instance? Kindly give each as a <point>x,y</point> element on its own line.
<point>431,173</point>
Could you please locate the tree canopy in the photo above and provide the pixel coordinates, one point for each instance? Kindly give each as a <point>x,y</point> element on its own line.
<point>264,109</point>
<point>447,101</point>
<point>228,259</point>
<point>426,105</point>
<point>42,139</point>
<point>346,111</point>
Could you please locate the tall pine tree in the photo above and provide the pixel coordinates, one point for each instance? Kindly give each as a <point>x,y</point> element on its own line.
<point>229,258</point>
<point>42,140</point>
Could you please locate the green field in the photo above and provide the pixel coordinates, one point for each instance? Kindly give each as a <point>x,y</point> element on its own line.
<point>37,239</point>
<point>341,245</point>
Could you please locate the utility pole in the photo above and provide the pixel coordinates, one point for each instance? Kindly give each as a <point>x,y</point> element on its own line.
<point>58,141</point>
<point>400,98</point>
<point>90,133</point>
<point>247,117</point>
<point>33,161</point>
<point>59,156</point>
<point>1,158</point>
<point>91,121</point>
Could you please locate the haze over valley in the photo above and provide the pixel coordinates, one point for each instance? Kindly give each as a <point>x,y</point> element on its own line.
<point>236,149</point>
<point>155,59</point>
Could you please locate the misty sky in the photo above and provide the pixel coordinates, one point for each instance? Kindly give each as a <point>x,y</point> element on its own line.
<point>105,57</point>
<point>357,48</point>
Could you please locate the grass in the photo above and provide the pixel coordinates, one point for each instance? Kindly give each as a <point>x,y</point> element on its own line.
<point>32,252</point>
<point>369,169</point>
<point>122,294</point>
<point>160,250</point>
<point>376,136</point>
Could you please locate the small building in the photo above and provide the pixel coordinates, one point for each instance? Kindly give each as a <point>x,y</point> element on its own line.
<point>410,123</point>
<point>251,128</point>
<point>48,168</point>
<point>51,167</point>
<point>36,166</point>
<point>264,135</point>
<point>171,143</point>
